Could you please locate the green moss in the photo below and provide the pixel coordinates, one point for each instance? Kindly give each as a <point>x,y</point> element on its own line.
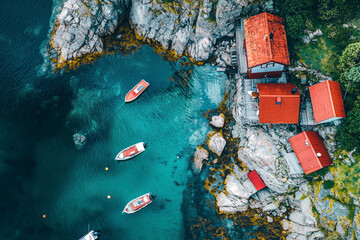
<point>212,17</point>
<point>322,55</point>
<point>351,207</point>
<point>303,197</point>
<point>328,184</point>
<point>318,175</point>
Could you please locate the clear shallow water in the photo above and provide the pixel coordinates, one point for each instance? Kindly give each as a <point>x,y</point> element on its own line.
<point>42,173</point>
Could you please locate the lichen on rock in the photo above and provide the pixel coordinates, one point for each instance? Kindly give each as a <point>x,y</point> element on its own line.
<point>201,154</point>
<point>217,143</point>
<point>218,121</point>
<point>79,30</point>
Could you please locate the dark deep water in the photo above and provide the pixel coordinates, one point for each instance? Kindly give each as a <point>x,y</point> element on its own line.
<point>41,172</point>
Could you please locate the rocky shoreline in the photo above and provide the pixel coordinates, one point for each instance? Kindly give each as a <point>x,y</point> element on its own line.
<point>192,28</point>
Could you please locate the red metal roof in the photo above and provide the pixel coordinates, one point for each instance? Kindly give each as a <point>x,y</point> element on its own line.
<point>326,100</point>
<point>307,146</point>
<point>260,48</point>
<point>256,180</point>
<point>285,112</point>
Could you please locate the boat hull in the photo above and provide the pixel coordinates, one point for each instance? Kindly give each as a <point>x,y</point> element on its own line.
<point>130,152</point>
<point>131,207</point>
<point>135,92</point>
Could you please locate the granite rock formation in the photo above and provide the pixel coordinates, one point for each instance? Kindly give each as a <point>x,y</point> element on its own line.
<point>218,121</point>
<point>191,27</point>
<point>79,28</point>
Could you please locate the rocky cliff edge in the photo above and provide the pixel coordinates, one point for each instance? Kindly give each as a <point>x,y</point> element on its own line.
<point>190,27</point>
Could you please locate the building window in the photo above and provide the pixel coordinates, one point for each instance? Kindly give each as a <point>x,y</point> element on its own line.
<point>267,65</point>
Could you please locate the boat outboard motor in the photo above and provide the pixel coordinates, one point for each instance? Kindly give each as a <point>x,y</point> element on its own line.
<point>152,196</point>
<point>146,145</point>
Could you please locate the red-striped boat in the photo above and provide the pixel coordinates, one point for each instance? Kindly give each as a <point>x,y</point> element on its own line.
<point>138,203</point>
<point>136,91</point>
<point>131,151</point>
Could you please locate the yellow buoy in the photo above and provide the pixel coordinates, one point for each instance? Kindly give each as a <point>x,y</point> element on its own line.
<point>106,168</point>
<point>44,216</point>
<point>108,196</point>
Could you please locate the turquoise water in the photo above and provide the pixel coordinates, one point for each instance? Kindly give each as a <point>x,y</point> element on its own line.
<point>41,172</point>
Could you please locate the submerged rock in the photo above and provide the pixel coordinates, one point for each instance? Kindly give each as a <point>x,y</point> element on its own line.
<point>200,155</point>
<point>79,140</point>
<point>217,143</point>
<point>218,121</point>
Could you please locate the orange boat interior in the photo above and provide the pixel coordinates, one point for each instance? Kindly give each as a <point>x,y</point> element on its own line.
<point>131,151</point>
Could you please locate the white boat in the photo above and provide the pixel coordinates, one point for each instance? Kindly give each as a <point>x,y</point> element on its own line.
<point>131,151</point>
<point>92,235</point>
<point>138,203</point>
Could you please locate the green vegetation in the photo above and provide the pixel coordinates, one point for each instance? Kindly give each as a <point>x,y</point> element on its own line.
<point>212,17</point>
<point>298,14</point>
<point>328,184</point>
<point>336,53</point>
<point>327,15</point>
<point>323,55</point>
<point>348,176</point>
<point>350,57</point>
<point>303,15</point>
<point>348,134</point>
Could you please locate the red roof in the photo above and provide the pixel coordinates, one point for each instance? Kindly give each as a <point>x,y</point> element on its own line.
<point>310,151</point>
<point>256,180</point>
<point>287,109</point>
<point>260,48</point>
<point>327,101</point>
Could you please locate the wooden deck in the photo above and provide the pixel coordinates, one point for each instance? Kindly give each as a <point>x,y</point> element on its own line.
<point>252,105</point>
<point>306,113</point>
<point>241,58</point>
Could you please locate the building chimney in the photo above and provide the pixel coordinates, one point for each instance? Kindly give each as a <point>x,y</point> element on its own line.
<point>271,36</point>
<point>306,142</point>
<point>318,154</point>
<point>278,100</point>
<point>293,91</point>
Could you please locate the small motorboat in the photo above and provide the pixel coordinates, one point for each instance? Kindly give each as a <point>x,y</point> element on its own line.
<point>92,235</point>
<point>138,203</point>
<point>131,151</point>
<point>136,91</point>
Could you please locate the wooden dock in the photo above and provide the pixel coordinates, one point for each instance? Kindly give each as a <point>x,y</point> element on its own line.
<point>251,105</point>
<point>240,37</point>
<point>306,113</point>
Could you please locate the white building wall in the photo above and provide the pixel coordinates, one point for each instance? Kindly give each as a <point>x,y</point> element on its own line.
<point>329,120</point>
<point>268,68</point>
